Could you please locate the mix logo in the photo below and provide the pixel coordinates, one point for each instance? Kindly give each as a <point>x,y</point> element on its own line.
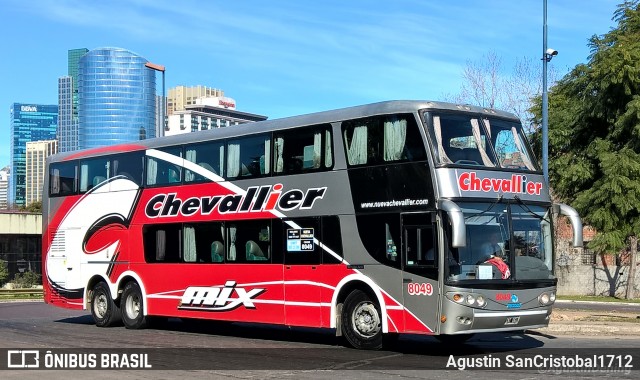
<point>218,299</point>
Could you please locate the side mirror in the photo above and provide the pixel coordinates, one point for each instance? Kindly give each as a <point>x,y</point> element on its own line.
<point>458,228</point>
<point>574,218</point>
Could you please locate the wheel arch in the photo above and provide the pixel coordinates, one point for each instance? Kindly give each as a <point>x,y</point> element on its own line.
<point>93,281</point>
<point>363,283</point>
<point>130,276</point>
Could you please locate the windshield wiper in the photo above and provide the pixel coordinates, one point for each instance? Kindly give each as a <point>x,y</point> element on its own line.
<point>524,206</point>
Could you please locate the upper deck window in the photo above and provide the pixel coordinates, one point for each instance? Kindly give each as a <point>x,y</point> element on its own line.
<point>379,139</point>
<point>62,179</point>
<point>465,140</point>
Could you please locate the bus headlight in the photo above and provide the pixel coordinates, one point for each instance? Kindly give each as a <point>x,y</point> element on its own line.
<point>471,299</point>
<point>468,299</point>
<point>547,298</point>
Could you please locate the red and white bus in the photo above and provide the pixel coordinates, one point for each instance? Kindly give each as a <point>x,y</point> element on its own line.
<point>396,217</point>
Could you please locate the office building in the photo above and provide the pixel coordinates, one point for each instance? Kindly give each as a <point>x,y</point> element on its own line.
<point>37,153</point>
<point>4,188</point>
<point>28,122</point>
<point>68,103</point>
<point>208,113</point>
<point>116,98</point>
<point>179,97</point>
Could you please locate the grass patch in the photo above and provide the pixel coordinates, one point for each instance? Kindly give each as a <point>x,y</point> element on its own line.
<point>608,318</point>
<point>598,299</point>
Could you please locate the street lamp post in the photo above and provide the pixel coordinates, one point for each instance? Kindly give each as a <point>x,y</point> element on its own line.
<point>547,55</point>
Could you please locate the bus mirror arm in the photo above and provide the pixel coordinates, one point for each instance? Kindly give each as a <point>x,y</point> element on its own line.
<point>459,231</point>
<point>576,223</point>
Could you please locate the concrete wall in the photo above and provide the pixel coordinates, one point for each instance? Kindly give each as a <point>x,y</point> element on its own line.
<point>601,279</point>
<point>20,223</point>
<point>606,276</point>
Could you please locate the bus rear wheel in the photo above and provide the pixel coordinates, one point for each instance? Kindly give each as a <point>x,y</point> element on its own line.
<point>132,305</point>
<point>104,310</point>
<point>361,321</point>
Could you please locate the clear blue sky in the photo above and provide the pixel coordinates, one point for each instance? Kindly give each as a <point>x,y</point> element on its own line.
<point>286,57</point>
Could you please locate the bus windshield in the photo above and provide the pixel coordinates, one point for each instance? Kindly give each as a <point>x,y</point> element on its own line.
<point>504,242</point>
<point>468,140</point>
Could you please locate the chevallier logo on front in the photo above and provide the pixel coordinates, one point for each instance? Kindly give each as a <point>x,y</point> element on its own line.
<point>517,184</point>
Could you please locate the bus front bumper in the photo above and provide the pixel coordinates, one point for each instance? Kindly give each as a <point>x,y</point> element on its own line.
<point>466,320</point>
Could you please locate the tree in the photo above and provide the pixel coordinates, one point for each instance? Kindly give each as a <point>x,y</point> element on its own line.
<point>4,271</point>
<point>594,137</point>
<point>35,206</point>
<point>486,83</point>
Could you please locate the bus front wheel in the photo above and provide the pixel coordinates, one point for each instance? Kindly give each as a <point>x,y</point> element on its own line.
<point>132,304</point>
<point>361,321</point>
<point>104,310</point>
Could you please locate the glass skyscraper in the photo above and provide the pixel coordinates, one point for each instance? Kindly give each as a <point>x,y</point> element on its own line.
<point>28,122</point>
<point>68,103</point>
<point>117,98</point>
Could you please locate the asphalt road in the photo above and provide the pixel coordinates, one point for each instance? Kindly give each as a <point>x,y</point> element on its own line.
<point>223,350</point>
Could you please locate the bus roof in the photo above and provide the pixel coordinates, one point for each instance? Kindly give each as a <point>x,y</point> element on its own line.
<point>380,108</point>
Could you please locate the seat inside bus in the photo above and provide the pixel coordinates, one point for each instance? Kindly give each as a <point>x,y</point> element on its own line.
<point>217,252</point>
<point>254,252</point>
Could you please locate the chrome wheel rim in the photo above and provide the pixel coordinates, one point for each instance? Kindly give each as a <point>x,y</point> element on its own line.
<point>366,320</point>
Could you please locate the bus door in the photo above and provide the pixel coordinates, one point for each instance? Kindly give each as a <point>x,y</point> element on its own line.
<point>302,272</point>
<point>420,271</point>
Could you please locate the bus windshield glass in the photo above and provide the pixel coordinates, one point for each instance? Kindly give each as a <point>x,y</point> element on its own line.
<point>492,143</point>
<point>492,231</point>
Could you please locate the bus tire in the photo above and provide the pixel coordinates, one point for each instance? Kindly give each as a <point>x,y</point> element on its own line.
<point>132,305</point>
<point>362,321</point>
<point>104,310</point>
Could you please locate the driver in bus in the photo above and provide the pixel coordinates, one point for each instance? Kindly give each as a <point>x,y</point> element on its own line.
<point>491,253</point>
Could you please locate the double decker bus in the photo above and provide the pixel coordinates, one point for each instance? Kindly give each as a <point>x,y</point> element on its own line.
<point>397,217</point>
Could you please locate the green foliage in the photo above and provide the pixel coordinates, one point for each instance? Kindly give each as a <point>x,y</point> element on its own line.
<point>32,207</point>
<point>594,133</point>
<point>26,280</point>
<point>4,272</point>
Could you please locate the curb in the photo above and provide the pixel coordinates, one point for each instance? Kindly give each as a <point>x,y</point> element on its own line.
<point>586,328</point>
<point>596,302</point>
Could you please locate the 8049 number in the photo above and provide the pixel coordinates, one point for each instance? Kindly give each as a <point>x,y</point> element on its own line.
<point>419,289</point>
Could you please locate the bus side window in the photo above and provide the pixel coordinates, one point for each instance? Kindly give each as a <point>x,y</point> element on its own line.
<point>209,156</point>
<point>249,241</point>
<point>249,157</point>
<point>160,172</point>
<point>303,150</point>
<point>387,138</point>
<point>128,165</point>
<point>380,235</point>
<point>62,179</point>
<point>94,172</point>
<point>162,243</point>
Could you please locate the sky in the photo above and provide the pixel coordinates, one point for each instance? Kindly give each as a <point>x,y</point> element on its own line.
<point>281,58</point>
